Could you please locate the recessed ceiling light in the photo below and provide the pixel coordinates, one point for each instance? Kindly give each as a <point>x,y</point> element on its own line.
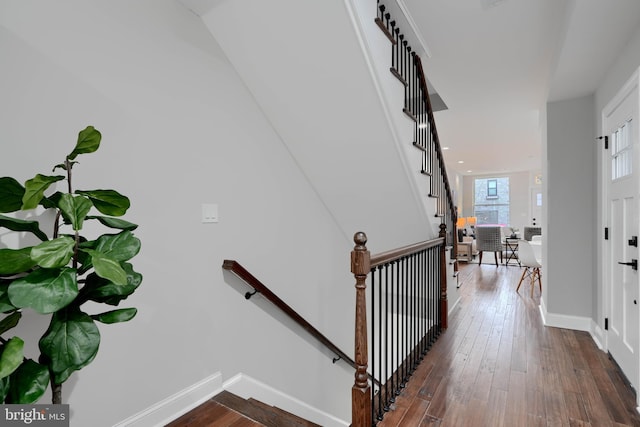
<point>469,171</point>
<point>460,161</point>
<point>445,148</point>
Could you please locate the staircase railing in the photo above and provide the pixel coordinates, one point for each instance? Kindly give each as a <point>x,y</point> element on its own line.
<point>408,288</point>
<point>259,287</point>
<point>406,66</point>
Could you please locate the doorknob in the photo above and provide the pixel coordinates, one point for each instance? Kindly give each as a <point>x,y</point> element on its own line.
<point>633,263</point>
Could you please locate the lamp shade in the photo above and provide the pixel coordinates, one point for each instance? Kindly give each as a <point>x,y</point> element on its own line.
<point>461,222</point>
<point>471,220</point>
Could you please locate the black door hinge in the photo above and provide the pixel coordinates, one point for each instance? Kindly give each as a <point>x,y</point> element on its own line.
<point>606,141</point>
<point>606,323</point>
<point>606,233</point>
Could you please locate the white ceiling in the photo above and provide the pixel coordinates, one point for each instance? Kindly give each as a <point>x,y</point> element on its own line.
<point>496,67</point>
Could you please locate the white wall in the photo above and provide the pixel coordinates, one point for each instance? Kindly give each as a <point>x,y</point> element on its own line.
<point>317,90</point>
<point>571,206</point>
<point>179,129</point>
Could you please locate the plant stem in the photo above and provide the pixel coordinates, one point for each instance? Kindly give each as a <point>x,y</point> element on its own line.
<point>56,390</point>
<point>68,166</point>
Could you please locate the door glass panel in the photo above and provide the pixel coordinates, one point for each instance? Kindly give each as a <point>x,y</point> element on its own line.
<point>621,152</point>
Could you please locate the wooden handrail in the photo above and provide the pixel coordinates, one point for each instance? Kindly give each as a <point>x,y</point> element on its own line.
<point>425,90</point>
<point>256,284</point>
<point>394,254</point>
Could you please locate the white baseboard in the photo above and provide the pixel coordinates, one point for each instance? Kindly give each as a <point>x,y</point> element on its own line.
<point>566,321</point>
<point>453,306</point>
<point>169,409</point>
<point>577,323</point>
<point>246,387</point>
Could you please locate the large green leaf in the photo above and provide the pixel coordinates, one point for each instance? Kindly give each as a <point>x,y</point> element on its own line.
<point>13,261</point>
<point>15,224</point>
<point>28,383</point>
<point>11,356</point>
<point>121,247</point>
<point>116,316</point>
<point>35,188</point>
<point>52,200</point>
<point>9,321</point>
<point>107,267</point>
<point>103,291</point>
<point>53,253</point>
<point>88,142</point>
<point>109,202</point>
<point>45,290</point>
<point>120,224</point>
<point>70,343</point>
<point>74,209</point>
<point>11,192</point>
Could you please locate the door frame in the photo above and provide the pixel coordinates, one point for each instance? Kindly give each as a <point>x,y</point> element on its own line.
<point>604,247</point>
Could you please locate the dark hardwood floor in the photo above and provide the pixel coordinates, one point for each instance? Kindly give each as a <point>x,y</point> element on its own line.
<point>497,365</point>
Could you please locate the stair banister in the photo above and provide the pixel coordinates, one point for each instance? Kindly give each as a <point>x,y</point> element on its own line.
<point>361,390</point>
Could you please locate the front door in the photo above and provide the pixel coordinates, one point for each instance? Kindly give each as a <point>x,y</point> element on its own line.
<point>620,125</point>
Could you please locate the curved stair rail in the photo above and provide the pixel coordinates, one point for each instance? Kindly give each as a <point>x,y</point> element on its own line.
<point>408,312</point>
<point>259,287</point>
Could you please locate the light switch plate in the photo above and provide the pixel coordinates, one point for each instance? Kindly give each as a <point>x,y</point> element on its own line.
<point>209,212</point>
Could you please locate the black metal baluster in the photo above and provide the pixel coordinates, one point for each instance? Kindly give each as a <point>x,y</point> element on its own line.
<point>405,286</point>
<point>432,282</point>
<point>373,342</point>
<point>414,78</point>
<point>416,321</point>
<point>394,47</point>
<point>387,18</point>
<point>386,333</point>
<point>423,299</point>
<point>397,46</point>
<point>394,336</point>
<point>380,344</point>
<point>411,316</point>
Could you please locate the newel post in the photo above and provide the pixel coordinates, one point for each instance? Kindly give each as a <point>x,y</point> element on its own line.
<point>361,390</point>
<point>444,304</point>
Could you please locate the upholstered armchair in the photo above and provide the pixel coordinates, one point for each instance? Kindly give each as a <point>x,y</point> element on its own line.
<point>489,239</point>
<point>529,232</point>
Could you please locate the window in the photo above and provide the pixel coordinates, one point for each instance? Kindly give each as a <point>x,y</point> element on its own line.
<point>492,188</point>
<point>621,152</point>
<point>491,200</point>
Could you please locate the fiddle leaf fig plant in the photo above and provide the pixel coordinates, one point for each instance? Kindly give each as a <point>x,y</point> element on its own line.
<point>64,276</point>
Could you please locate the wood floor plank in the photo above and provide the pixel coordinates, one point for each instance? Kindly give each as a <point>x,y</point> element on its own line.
<point>575,407</point>
<point>496,408</point>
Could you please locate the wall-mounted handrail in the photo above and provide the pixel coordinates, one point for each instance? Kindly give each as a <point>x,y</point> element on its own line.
<point>257,285</point>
